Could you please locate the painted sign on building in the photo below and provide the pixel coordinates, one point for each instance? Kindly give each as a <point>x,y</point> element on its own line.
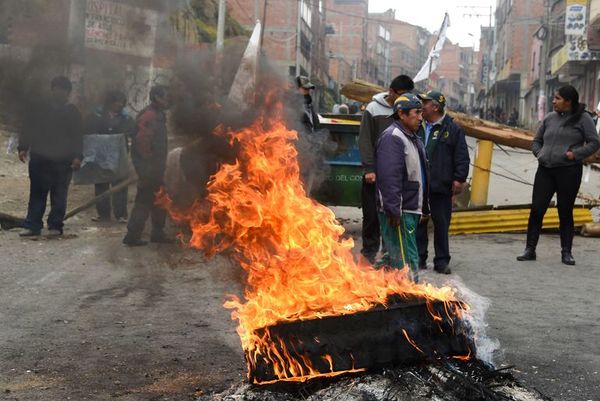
<point>120,28</point>
<point>575,49</point>
<point>576,17</point>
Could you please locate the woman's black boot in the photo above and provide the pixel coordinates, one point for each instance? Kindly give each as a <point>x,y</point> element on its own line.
<point>529,254</point>
<point>567,258</point>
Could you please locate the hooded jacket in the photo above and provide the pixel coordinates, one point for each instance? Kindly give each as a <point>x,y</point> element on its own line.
<point>375,120</point>
<point>401,168</point>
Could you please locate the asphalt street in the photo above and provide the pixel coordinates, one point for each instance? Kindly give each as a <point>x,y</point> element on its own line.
<point>85,318</point>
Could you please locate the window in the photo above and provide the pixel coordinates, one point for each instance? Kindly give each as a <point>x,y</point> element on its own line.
<point>305,12</point>
<point>384,33</point>
<point>305,45</point>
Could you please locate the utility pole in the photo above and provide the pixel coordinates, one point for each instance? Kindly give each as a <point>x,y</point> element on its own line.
<point>298,37</point>
<point>221,25</point>
<point>544,35</point>
<point>489,41</point>
<point>484,153</point>
<point>264,23</point>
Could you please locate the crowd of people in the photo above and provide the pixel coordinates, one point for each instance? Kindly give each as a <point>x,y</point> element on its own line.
<point>53,142</point>
<point>415,159</point>
<point>414,156</point>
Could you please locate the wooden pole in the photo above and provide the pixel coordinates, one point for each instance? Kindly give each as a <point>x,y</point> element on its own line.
<point>474,127</point>
<point>9,221</point>
<point>103,195</point>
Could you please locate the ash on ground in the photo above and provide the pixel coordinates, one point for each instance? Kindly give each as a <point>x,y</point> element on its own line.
<point>470,381</point>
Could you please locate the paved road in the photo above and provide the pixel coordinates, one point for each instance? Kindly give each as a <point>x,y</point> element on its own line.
<point>85,318</point>
<point>545,315</point>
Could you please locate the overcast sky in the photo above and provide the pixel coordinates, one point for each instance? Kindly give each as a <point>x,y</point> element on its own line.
<point>430,14</point>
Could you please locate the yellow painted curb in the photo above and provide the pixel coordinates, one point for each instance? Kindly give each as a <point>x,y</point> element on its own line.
<point>502,221</point>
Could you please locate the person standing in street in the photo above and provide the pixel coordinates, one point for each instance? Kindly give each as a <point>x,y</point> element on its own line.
<point>149,156</point>
<point>111,119</point>
<point>375,119</point>
<point>310,118</point>
<point>566,137</point>
<point>448,158</point>
<point>401,168</point>
<point>52,141</point>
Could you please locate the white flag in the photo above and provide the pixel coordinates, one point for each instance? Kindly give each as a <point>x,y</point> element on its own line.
<point>243,88</point>
<point>434,55</point>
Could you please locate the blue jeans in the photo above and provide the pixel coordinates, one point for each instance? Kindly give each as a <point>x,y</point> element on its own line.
<point>47,176</point>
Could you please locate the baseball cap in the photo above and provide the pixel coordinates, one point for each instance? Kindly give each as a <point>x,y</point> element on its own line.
<point>434,95</point>
<point>304,82</point>
<point>406,101</point>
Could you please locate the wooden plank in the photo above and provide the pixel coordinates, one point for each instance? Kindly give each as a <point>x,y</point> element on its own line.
<point>474,127</point>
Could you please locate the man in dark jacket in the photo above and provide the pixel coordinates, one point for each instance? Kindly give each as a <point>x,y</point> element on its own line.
<point>111,119</point>
<point>448,158</point>
<point>375,119</point>
<point>401,168</point>
<point>310,118</point>
<point>149,156</point>
<point>52,137</point>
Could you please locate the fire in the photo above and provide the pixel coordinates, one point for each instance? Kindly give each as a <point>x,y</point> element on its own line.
<point>298,264</point>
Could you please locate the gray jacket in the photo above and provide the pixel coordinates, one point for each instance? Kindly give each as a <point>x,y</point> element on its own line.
<point>375,119</point>
<point>554,139</point>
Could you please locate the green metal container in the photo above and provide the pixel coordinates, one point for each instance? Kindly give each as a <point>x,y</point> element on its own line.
<point>342,186</point>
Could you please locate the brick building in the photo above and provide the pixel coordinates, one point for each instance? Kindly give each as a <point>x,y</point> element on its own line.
<point>571,60</point>
<point>410,45</point>
<point>347,38</point>
<point>484,62</point>
<point>294,34</point>
<point>99,44</point>
<point>455,74</point>
<point>379,37</point>
<point>515,26</point>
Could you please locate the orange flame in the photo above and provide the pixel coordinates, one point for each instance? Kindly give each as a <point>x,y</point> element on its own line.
<point>298,265</point>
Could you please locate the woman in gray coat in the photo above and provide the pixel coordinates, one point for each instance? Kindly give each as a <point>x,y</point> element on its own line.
<point>566,137</point>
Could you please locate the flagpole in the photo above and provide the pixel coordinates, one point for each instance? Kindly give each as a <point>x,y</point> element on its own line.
<point>426,70</point>
<point>435,44</point>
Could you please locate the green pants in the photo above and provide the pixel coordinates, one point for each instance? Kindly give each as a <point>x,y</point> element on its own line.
<point>401,242</point>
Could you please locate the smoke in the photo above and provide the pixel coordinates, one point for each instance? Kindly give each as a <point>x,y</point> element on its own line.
<point>24,82</point>
<point>488,348</point>
<point>200,87</point>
